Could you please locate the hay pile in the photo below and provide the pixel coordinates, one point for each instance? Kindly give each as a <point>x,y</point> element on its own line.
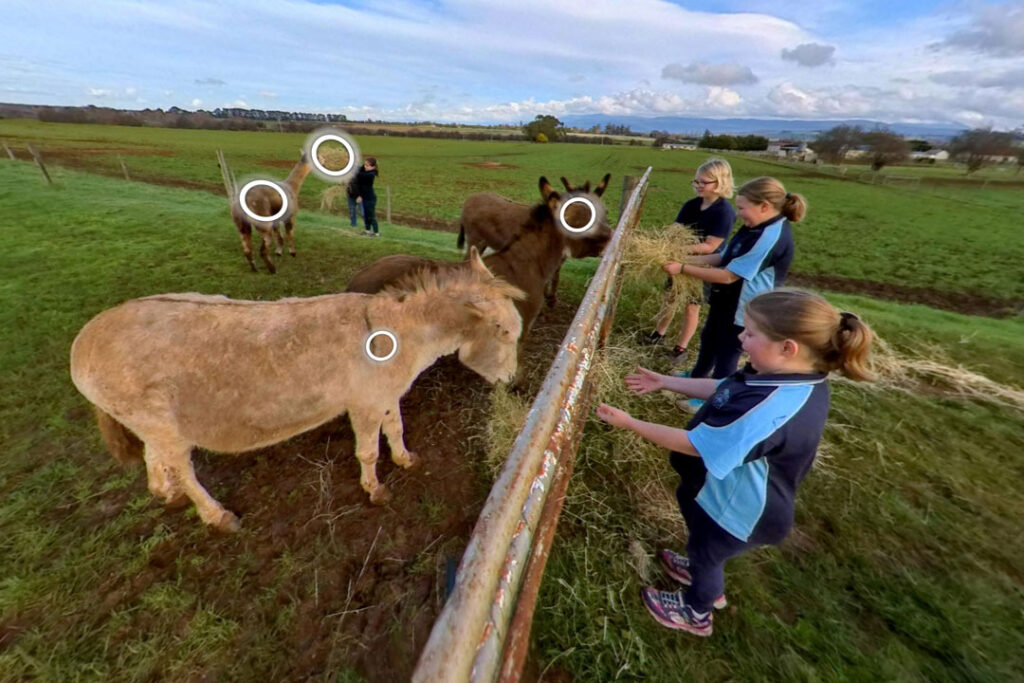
<point>647,251</point>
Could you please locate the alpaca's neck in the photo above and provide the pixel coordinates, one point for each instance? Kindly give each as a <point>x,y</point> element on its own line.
<point>298,174</point>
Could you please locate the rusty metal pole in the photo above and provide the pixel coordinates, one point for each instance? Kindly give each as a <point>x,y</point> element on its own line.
<point>516,523</point>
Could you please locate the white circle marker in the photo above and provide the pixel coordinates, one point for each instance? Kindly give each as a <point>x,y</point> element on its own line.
<point>265,183</point>
<point>394,346</point>
<point>590,223</point>
<point>344,143</point>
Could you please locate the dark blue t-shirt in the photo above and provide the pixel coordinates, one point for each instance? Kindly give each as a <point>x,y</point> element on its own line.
<point>715,221</point>
<point>761,257</point>
<point>757,436</point>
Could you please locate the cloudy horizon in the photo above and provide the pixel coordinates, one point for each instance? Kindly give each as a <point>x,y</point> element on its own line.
<point>486,62</point>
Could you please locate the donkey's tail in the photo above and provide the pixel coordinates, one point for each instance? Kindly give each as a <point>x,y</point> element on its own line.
<point>121,442</point>
<point>462,237</point>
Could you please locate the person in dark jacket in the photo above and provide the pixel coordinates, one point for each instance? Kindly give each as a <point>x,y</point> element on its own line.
<point>367,197</point>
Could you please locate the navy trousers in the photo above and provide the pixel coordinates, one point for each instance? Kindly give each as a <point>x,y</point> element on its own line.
<point>370,213</point>
<point>720,347</point>
<point>708,545</point>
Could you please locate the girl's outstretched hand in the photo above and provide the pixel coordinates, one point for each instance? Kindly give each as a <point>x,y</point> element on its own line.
<point>673,268</point>
<point>613,416</point>
<point>644,381</point>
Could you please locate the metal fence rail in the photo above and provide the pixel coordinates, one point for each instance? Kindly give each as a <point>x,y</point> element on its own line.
<point>483,630</point>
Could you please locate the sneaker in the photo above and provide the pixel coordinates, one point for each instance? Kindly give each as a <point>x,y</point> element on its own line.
<point>367,233</point>
<point>679,355</point>
<point>374,234</point>
<point>651,339</point>
<point>678,567</point>
<point>670,610</point>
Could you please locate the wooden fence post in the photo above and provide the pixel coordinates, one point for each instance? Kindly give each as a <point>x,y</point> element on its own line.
<point>387,215</point>
<point>39,162</point>
<point>226,176</point>
<point>10,153</point>
<point>124,167</point>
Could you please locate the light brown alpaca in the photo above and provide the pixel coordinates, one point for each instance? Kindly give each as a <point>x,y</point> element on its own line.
<point>264,201</point>
<point>490,220</point>
<point>175,371</point>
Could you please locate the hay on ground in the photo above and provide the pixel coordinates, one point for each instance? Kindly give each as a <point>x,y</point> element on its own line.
<point>327,197</point>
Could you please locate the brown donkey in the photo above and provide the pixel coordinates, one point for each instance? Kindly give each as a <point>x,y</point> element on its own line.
<point>170,372</point>
<point>265,201</point>
<point>490,220</point>
<point>528,261</point>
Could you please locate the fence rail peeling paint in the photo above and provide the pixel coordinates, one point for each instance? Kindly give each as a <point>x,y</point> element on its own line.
<point>470,637</point>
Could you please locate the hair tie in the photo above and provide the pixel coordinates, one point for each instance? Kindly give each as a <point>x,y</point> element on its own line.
<point>788,196</point>
<point>846,318</point>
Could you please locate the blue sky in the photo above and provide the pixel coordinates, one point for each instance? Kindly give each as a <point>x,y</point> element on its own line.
<point>494,61</point>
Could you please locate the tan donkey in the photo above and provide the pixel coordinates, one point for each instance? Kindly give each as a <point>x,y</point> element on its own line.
<point>171,372</point>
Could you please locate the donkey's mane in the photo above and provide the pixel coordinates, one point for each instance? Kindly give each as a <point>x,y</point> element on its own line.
<point>441,276</point>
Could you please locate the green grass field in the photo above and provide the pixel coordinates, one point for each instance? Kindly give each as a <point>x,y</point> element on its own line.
<point>905,563</point>
<point>960,239</point>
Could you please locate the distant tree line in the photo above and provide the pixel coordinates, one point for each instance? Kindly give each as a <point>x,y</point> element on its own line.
<point>741,143</point>
<point>882,147</point>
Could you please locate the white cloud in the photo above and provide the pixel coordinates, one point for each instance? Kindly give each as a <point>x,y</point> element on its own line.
<point>100,93</point>
<point>810,54</point>
<point>994,29</point>
<point>709,74</point>
<point>196,102</point>
<point>268,94</point>
<point>722,98</point>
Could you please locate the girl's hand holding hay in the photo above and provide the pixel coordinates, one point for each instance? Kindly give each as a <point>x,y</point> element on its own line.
<point>673,268</point>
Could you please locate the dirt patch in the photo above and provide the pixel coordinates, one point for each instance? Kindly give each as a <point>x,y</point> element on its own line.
<point>489,165</point>
<point>361,585</point>
<point>958,302</point>
<point>425,222</point>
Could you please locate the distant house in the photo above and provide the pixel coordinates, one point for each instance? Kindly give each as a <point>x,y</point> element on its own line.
<point>791,149</point>
<point>930,155</point>
<point>679,145</point>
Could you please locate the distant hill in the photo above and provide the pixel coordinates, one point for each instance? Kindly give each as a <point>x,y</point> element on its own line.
<point>774,128</point>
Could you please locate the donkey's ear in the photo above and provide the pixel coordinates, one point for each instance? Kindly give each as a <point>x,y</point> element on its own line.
<point>568,185</point>
<point>601,186</point>
<point>546,191</point>
<point>586,186</point>
<point>476,263</point>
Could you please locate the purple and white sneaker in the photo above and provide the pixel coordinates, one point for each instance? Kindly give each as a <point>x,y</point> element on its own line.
<point>678,567</point>
<point>670,610</point>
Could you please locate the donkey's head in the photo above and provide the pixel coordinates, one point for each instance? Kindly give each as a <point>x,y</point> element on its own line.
<point>581,208</point>
<point>490,342</point>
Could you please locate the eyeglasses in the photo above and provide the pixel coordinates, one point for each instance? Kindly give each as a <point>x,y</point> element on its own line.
<point>703,183</point>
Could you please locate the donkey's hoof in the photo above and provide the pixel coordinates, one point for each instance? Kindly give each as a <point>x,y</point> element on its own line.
<point>293,254</point>
<point>228,523</point>
<point>380,495</point>
<point>551,301</point>
<point>411,460</point>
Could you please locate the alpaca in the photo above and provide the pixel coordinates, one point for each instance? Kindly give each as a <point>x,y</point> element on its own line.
<point>170,372</point>
<point>264,201</point>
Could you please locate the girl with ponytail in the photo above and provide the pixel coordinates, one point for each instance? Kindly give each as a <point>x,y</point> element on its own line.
<point>747,449</point>
<point>756,260</point>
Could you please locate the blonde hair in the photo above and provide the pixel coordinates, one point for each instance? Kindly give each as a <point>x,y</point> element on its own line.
<point>764,189</point>
<point>721,171</point>
<point>836,340</point>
